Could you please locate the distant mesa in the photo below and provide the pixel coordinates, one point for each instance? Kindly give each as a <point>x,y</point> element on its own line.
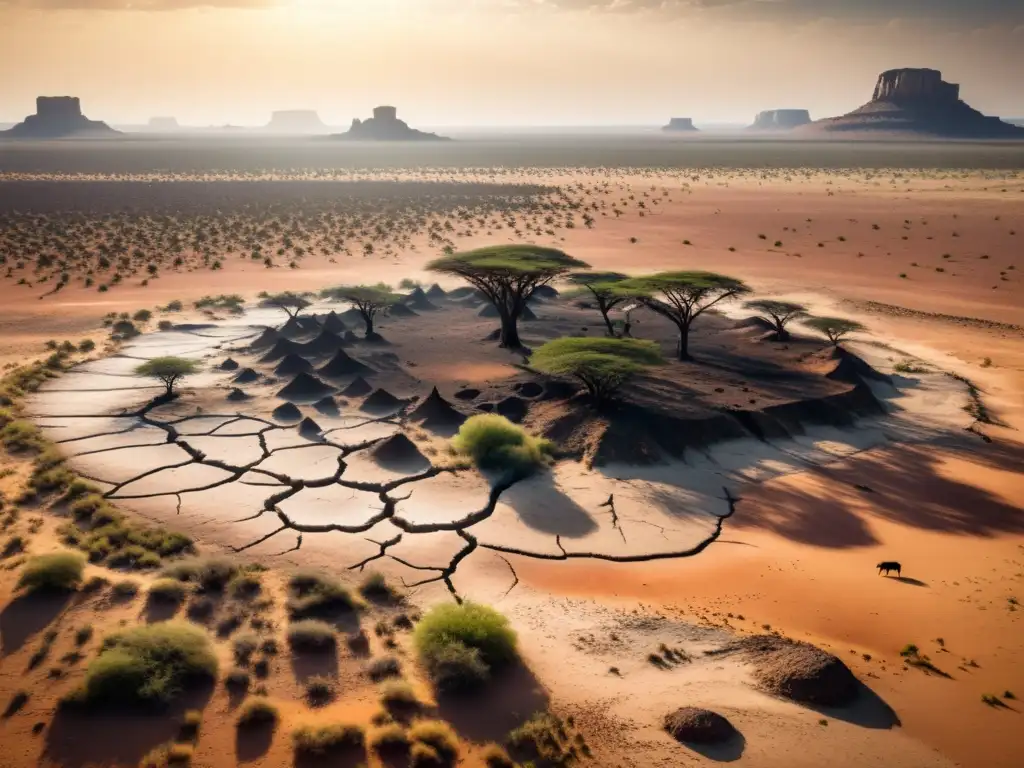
<point>680,124</point>
<point>59,117</point>
<point>385,126</point>
<point>917,102</point>
<point>780,119</point>
<point>163,124</point>
<point>296,121</point>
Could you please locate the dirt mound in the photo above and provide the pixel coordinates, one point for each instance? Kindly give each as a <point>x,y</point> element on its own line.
<point>357,388</point>
<point>546,292</point>
<point>375,338</point>
<point>462,293</point>
<point>293,329</point>
<point>853,369</point>
<point>286,412</point>
<point>528,389</point>
<point>325,343</point>
<point>342,364</point>
<point>436,292</point>
<point>349,337</point>
<point>326,406</point>
<point>467,394</point>
<point>382,401</point>
<point>799,671</point>
<point>229,365</point>
<point>265,340</point>
<point>333,323</point>
<point>698,726</point>
<point>417,299</point>
<point>281,348</point>
<point>309,428</point>
<point>292,364</point>
<point>236,395</point>
<point>754,323</point>
<point>436,413</point>
<point>489,310</point>
<point>513,408</point>
<point>246,376</point>
<point>399,452</point>
<point>401,310</point>
<point>305,388</point>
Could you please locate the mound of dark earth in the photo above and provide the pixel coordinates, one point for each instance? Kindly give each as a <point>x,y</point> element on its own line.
<point>309,428</point>
<point>292,364</point>
<point>754,323</point>
<point>546,292</point>
<point>376,339</point>
<point>436,292</point>
<point>236,395</point>
<point>401,310</point>
<point>229,365</point>
<point>293,329</point>
<point>489,310</point>
<point>698,726</point>
<point>342,364</point>
<point>265,340</point>
<point>281,348</point>
<point>287,412</point>
<point>382,401</point>
<point>399,452</point>
<point>799,671</point>
<point>246,376</point>
<point>333,323</point>
<point>852,369</point>
<point>357,388</point>
<point>436,413</point>
<point>326,343</point>
<point>417,299</point>
<point>327,406</point>
<point>305,388</point>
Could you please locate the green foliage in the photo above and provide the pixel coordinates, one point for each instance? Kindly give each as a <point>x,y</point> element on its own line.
<point>167,591</point>
<point>209,574</point>
<point>368,299</point>
<point>602,365</point>
<point>459,645</point>
<point>149,665</point>
<point>57,571</point>
<point>320,740</point>
<point>518,260</point>
<point>230,302</point>
<point>778,313</point>
<point>315,596</point>
<point>495,443</point>
<point>437,735</point>
<point>21,435</point>
<point>258,711</point>
<point>311,635</point>
<point>291,302</point>
<point>167,369</point>
<point>834,328</point>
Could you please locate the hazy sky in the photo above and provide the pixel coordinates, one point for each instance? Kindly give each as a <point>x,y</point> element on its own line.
<point>497,62</point>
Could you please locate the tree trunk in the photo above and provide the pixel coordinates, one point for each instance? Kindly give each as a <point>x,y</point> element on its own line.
<point>781,334</point>
<point>368,319</point>
<point>509,331</point>
<point>684,342</point>
<point>608,322</point>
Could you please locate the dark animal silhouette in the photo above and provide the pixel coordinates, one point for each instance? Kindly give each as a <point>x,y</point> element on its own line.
<point>889,565</point>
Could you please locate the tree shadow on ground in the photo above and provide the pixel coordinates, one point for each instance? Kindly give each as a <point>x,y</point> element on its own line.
<point>542,506</point>
<point>253,741</point>
<point>307,664</point>
<point>28,615</point>
<point>728,751</point>
<point>78,739</point>
<point>508,701</point>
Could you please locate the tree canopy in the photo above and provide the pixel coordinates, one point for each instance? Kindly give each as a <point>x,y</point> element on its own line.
<point>603,366</point>
<point>369,300</point>
<point>601,287</point>
<point>778,313</point>
<point>834,328</point>
<point>291,302</point>
<point>682,297</point>
<point>508,275</point>
<point>168,370</point>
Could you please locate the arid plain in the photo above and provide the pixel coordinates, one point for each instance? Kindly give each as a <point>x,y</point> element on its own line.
<point>921,243</point>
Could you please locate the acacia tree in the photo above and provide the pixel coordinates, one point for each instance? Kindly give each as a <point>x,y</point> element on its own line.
<point>834,328</point>
<point>682,297</point>
<point>369,300</point>
<point>778,313</point>
<point>508,275</point>
<point>292,303</point>
<point>600,285</point>
<point>603,366</point>
<point>168,370</point>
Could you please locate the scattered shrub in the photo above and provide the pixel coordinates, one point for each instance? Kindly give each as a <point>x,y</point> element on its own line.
<point>237,680</point>
<point>496,757</point>
<point>244,646</point>
<point>125,589</point>
<point>311,635</point>
<point>314,596</point>
<point>438,735</point>
<point>311,740</point>
<point>210,574</point>
<point>398,694</point>
<point>425,756</point>
<point>493,442</point>
<point>389,740</point>
<point>245,586</point>
<point>57,571</point>
<point>319,690</point>
<point>383,668</point>
<point>257,711</point>
<point>375,587</point>
<point>460,644</point>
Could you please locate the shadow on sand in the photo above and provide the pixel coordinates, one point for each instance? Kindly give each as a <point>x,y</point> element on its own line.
<point>908,580</point>
<point>28,615</point>
<point>867,711</point>
<point>508,701</point>
<point>253,741</point>
<point>543,507</point>
<point>307,664</point>
<point>726,752</point>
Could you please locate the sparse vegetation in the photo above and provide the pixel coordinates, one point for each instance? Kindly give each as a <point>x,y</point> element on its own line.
<point>60,571</point>
<point>168,370</point>
<point>603,366</point>
<point>311,635</point>
<point>257,711</point>
<point>493,442</point>
<point>833,328</point>
<point>461,645</point>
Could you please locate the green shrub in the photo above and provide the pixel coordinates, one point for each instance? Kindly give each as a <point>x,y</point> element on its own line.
<point>149,665</point>
<point>244,646</point>
<point>495,443</point>
<point>319,690</point>
<point>313,596</point>
<point>84,507</point>
<point>383,668</point>
<point>125,589</point>
<point>57,571</point>
<point>321,740</point>
<point>210,574</point>
<point>460,644</point>
<point>245,586</point>
<point>21,435</point>
<point>390,739</point>
<point>257,711</point>
<point>311,635</point>
<point>438,735</point>
<point>398,694</point>
<point>375,587</point>
<point>425,756</point>
<point>496,757</point>
<point>167,591</point>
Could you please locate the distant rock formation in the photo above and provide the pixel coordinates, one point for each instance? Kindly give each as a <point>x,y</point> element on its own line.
<point>296,121</point>
<point>680,124</point>
<point>781,119</point>
<point>163,124</point>
<point>917,102</point>
<point>59,117</point>
<point>1014,120</point>
<point>385,126</point>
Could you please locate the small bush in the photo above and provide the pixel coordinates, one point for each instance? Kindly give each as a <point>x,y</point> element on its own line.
<point>125,589</point>
<point>398,694</point>
<point>425,756</point>
<point>311,635</point>
<point>147,666</point>
<point>496,757</point>
<point>310,740</point>
<point>61,571</point>
<point>460,644</point>
<point>314,596</point>
<point>390,739</point>
<point>210,574</point>
<point>237,679</point>
<point>167,591</point>
<point>493,442</point>
<point>245,586</point>
<point>438,735</point>
<point>20,435</point>
<point>319,690</point>
<point>375,587</point>
<point>383,668</point>
<point>244,646</point>
<point>257,711</point>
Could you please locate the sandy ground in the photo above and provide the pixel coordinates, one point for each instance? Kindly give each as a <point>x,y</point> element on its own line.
<point>799,554</point>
